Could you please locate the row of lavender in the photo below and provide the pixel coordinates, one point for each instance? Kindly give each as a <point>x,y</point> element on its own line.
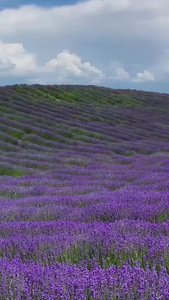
<point>83,193</point>
<point>96,261</point>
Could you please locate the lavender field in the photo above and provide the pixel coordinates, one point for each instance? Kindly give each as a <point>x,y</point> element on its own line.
<point>84,193</point>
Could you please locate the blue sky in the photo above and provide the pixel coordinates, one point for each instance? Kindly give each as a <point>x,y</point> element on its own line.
<point>115,43</point>
<point>18,3</point>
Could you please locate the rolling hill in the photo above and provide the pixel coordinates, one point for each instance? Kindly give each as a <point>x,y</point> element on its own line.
<point>84,193</point>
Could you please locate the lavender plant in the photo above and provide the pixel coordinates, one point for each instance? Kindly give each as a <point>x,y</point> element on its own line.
<point>84,190</point>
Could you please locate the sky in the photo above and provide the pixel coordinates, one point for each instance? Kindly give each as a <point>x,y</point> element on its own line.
<point>114,43</point>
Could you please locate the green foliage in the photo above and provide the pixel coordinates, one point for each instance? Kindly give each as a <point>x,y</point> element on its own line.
<point>12,171</point>
<point>16,133</point>
<point>86,133</point>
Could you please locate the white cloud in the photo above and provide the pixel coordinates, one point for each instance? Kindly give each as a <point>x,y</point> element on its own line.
<point>99,6</point>
<point>102,14</point>
<point>122,74</point>
<point>144,76</point>
<point>14,58</point>
<point>118,72</point>
<point>70,65</point>
<point>69,68</point>
<point>98,30</point>
<point>66,67</point>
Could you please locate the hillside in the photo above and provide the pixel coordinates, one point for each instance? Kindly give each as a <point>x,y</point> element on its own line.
<point>84,189</point>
